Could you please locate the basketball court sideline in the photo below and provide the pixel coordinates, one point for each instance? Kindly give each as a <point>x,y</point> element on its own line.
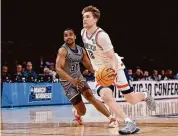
<point>57,120</point>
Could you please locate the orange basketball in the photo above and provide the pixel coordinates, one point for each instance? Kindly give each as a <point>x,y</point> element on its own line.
<point>105,77</point>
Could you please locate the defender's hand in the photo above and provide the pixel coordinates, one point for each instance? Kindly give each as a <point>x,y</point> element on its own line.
<point>76,82</point>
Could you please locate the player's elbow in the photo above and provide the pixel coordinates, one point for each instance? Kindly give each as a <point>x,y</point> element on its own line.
<point>58,69</point>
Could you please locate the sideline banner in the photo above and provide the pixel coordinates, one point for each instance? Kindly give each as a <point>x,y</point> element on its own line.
<point>158,89</point>
<point>40,93</point>
<point>28,94</point>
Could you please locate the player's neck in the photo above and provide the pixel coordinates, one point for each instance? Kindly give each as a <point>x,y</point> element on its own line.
<point>72,46</point>
<point>91,30</point>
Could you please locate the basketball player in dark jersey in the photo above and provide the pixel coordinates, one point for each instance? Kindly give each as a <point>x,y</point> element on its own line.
<point>67,67</point>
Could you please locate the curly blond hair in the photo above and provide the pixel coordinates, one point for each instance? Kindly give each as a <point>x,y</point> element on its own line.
<point>95,12</point>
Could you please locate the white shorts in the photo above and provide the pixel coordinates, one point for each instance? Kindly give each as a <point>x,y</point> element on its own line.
<point>123,82</point>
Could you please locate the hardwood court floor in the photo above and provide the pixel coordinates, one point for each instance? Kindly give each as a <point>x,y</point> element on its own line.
<point>95,130</point>
<point>57,121</point>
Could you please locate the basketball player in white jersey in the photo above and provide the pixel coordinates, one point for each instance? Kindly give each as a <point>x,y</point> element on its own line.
<point>101,53</point>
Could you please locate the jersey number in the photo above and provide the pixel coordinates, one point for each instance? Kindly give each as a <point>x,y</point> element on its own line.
<point>91,55</point>
<point>74,67</point>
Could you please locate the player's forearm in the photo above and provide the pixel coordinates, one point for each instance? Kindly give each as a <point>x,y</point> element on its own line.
<point>114,62</point>
<point>89,67</point>
<point>63,74</point>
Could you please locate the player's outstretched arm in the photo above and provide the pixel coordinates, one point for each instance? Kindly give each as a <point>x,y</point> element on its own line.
<point>86,62</point>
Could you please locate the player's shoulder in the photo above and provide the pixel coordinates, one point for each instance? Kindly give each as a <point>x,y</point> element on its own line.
<point>102,34</point>
<point>101,31</point>
<point>63,46</point>
<point>62,49</point>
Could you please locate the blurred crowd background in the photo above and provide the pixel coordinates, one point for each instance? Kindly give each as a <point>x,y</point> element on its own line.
<point>32,32</point>
<point>44,71</point>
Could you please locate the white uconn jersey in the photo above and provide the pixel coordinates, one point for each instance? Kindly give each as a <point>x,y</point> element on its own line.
<point>96,47</point>
<point>95,52</point>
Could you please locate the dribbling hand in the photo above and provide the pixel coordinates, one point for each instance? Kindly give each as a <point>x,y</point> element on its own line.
<point>115,74</point>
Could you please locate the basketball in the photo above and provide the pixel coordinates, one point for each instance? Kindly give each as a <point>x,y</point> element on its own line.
<point>105,77</point>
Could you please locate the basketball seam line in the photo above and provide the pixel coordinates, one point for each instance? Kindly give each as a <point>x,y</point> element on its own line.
<point>105,75</point>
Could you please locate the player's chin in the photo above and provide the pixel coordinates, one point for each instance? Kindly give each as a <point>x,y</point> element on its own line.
<point>85,25</point>
<point>69,42</point>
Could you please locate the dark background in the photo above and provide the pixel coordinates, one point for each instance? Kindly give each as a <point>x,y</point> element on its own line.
<point>146,34</point>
